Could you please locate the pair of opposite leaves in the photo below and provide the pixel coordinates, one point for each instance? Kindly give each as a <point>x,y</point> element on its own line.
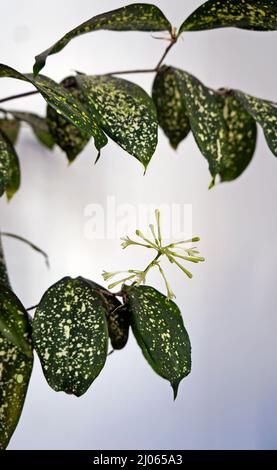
<point>70,333</point>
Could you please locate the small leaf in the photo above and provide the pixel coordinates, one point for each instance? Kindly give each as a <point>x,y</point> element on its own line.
<point>68,137</point>
<point>258,15</point>
<point>70,335</point>
<point>118,317</point>
<point>159,330</point>
<point>10,127</point>
<point>135,17</point>
<point>39,126</point>
<point>61,100</point>
<point>9,167</point>
<point>264,113</point>
<point>125,111</point>
<point>171,106</point>
<point>241,136</point>
<point>14,324</point>
<point>15,372</point>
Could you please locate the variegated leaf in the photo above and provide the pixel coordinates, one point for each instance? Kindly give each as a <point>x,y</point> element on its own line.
<point>68,137</point>
<point>170,104</point>
<point>125,112</point>
<point>264,113</point>
<point>9,167</point>
<point>159,330</point>
<point>61,100</point>
<point>134,17</point>
<point>259,15</point>
<point>70,335</point>
<point>10,127</point>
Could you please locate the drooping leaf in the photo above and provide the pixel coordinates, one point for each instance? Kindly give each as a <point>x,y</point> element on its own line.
<point>9,167</point>
<point>39,126</point>
<point>15,372</point>
<point>125,111</point>
<point>68,137</point>
<point>264,113</point>
<point>225,134</point>
<point>258,15</point>
<point>4,279</point>
<point>117,315</point>
<point>135,17</point>
<point>70,335</point>
<point>159,330</point>
<point>170,105</point>
<point>241,136</point>
<point>14,324</point>
<point>61,100</point>
<point>10,127</point>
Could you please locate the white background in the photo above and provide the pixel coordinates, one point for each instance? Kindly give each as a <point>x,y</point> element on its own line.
<point>229,400</point>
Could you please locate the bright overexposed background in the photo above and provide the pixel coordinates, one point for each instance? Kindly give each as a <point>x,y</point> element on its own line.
<point>229,307</point>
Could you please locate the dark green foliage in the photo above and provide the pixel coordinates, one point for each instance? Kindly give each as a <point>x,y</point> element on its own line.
<point>10,127</point>
<point>68,137</point>
<point>125,112</point>
<point>9,167</point>
<point>135,17</point>
<point>259,15</point>
<point>159,330</point>
<point>70,335</point>
<point>171,107</point>
<point>38,125</point>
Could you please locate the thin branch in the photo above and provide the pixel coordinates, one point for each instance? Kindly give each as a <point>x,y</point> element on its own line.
<point>30,244</point>
<point>20,95</point>
<point>158,66</point>
<point>32,308</point>
<point>125,72</point>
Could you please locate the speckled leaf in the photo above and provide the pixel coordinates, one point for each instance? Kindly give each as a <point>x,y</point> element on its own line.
<point>4,279</point>
<point>159,329</point>
<point>39,126</point>
<point>118,317</point>
<point>240,135</point>
<point>135,17</point>
<point>265,114</point>
<point>259,15</point>
<point>61,100</point>
<point>9,167</point>
<point>70,335</point>
<point>68,137</point>
<point>14,324</point>
<point>126,113</point>
<point>170,105</point>
<point>10,127</point>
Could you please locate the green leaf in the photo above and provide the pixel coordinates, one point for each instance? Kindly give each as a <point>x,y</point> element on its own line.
<point>159,330</point>
<point>14,324</point>
<point>117,316</point>
<point>170,105</point>
<point>61,100</point>
<point>10,127</point>
<point>39,126</point>
<point>70,335</point>
<point>4,278</point>
<point>258,15</point>
<point>125,111</point>
<point>264,113</point>
<point>224,132</point>
<point>9,168</point>
<point>15,372</point>
<point>135,17</point>
<point>68,137</point>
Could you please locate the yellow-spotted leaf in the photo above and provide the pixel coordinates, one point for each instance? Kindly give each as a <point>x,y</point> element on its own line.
<point>258,15</point>
<point>159,330</point>
<point>63,102</point>
<point>9,167</point>
<point>264,113</point>
<point>10,127</point>
<point>135,17</point>
<point>38,124</point>
<point>70,335</point>
<point>125,111</point>
<point>170,104</point>
<point>68,137</point>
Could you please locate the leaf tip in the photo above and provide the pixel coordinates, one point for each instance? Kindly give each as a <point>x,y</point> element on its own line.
<point>175,386</point>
